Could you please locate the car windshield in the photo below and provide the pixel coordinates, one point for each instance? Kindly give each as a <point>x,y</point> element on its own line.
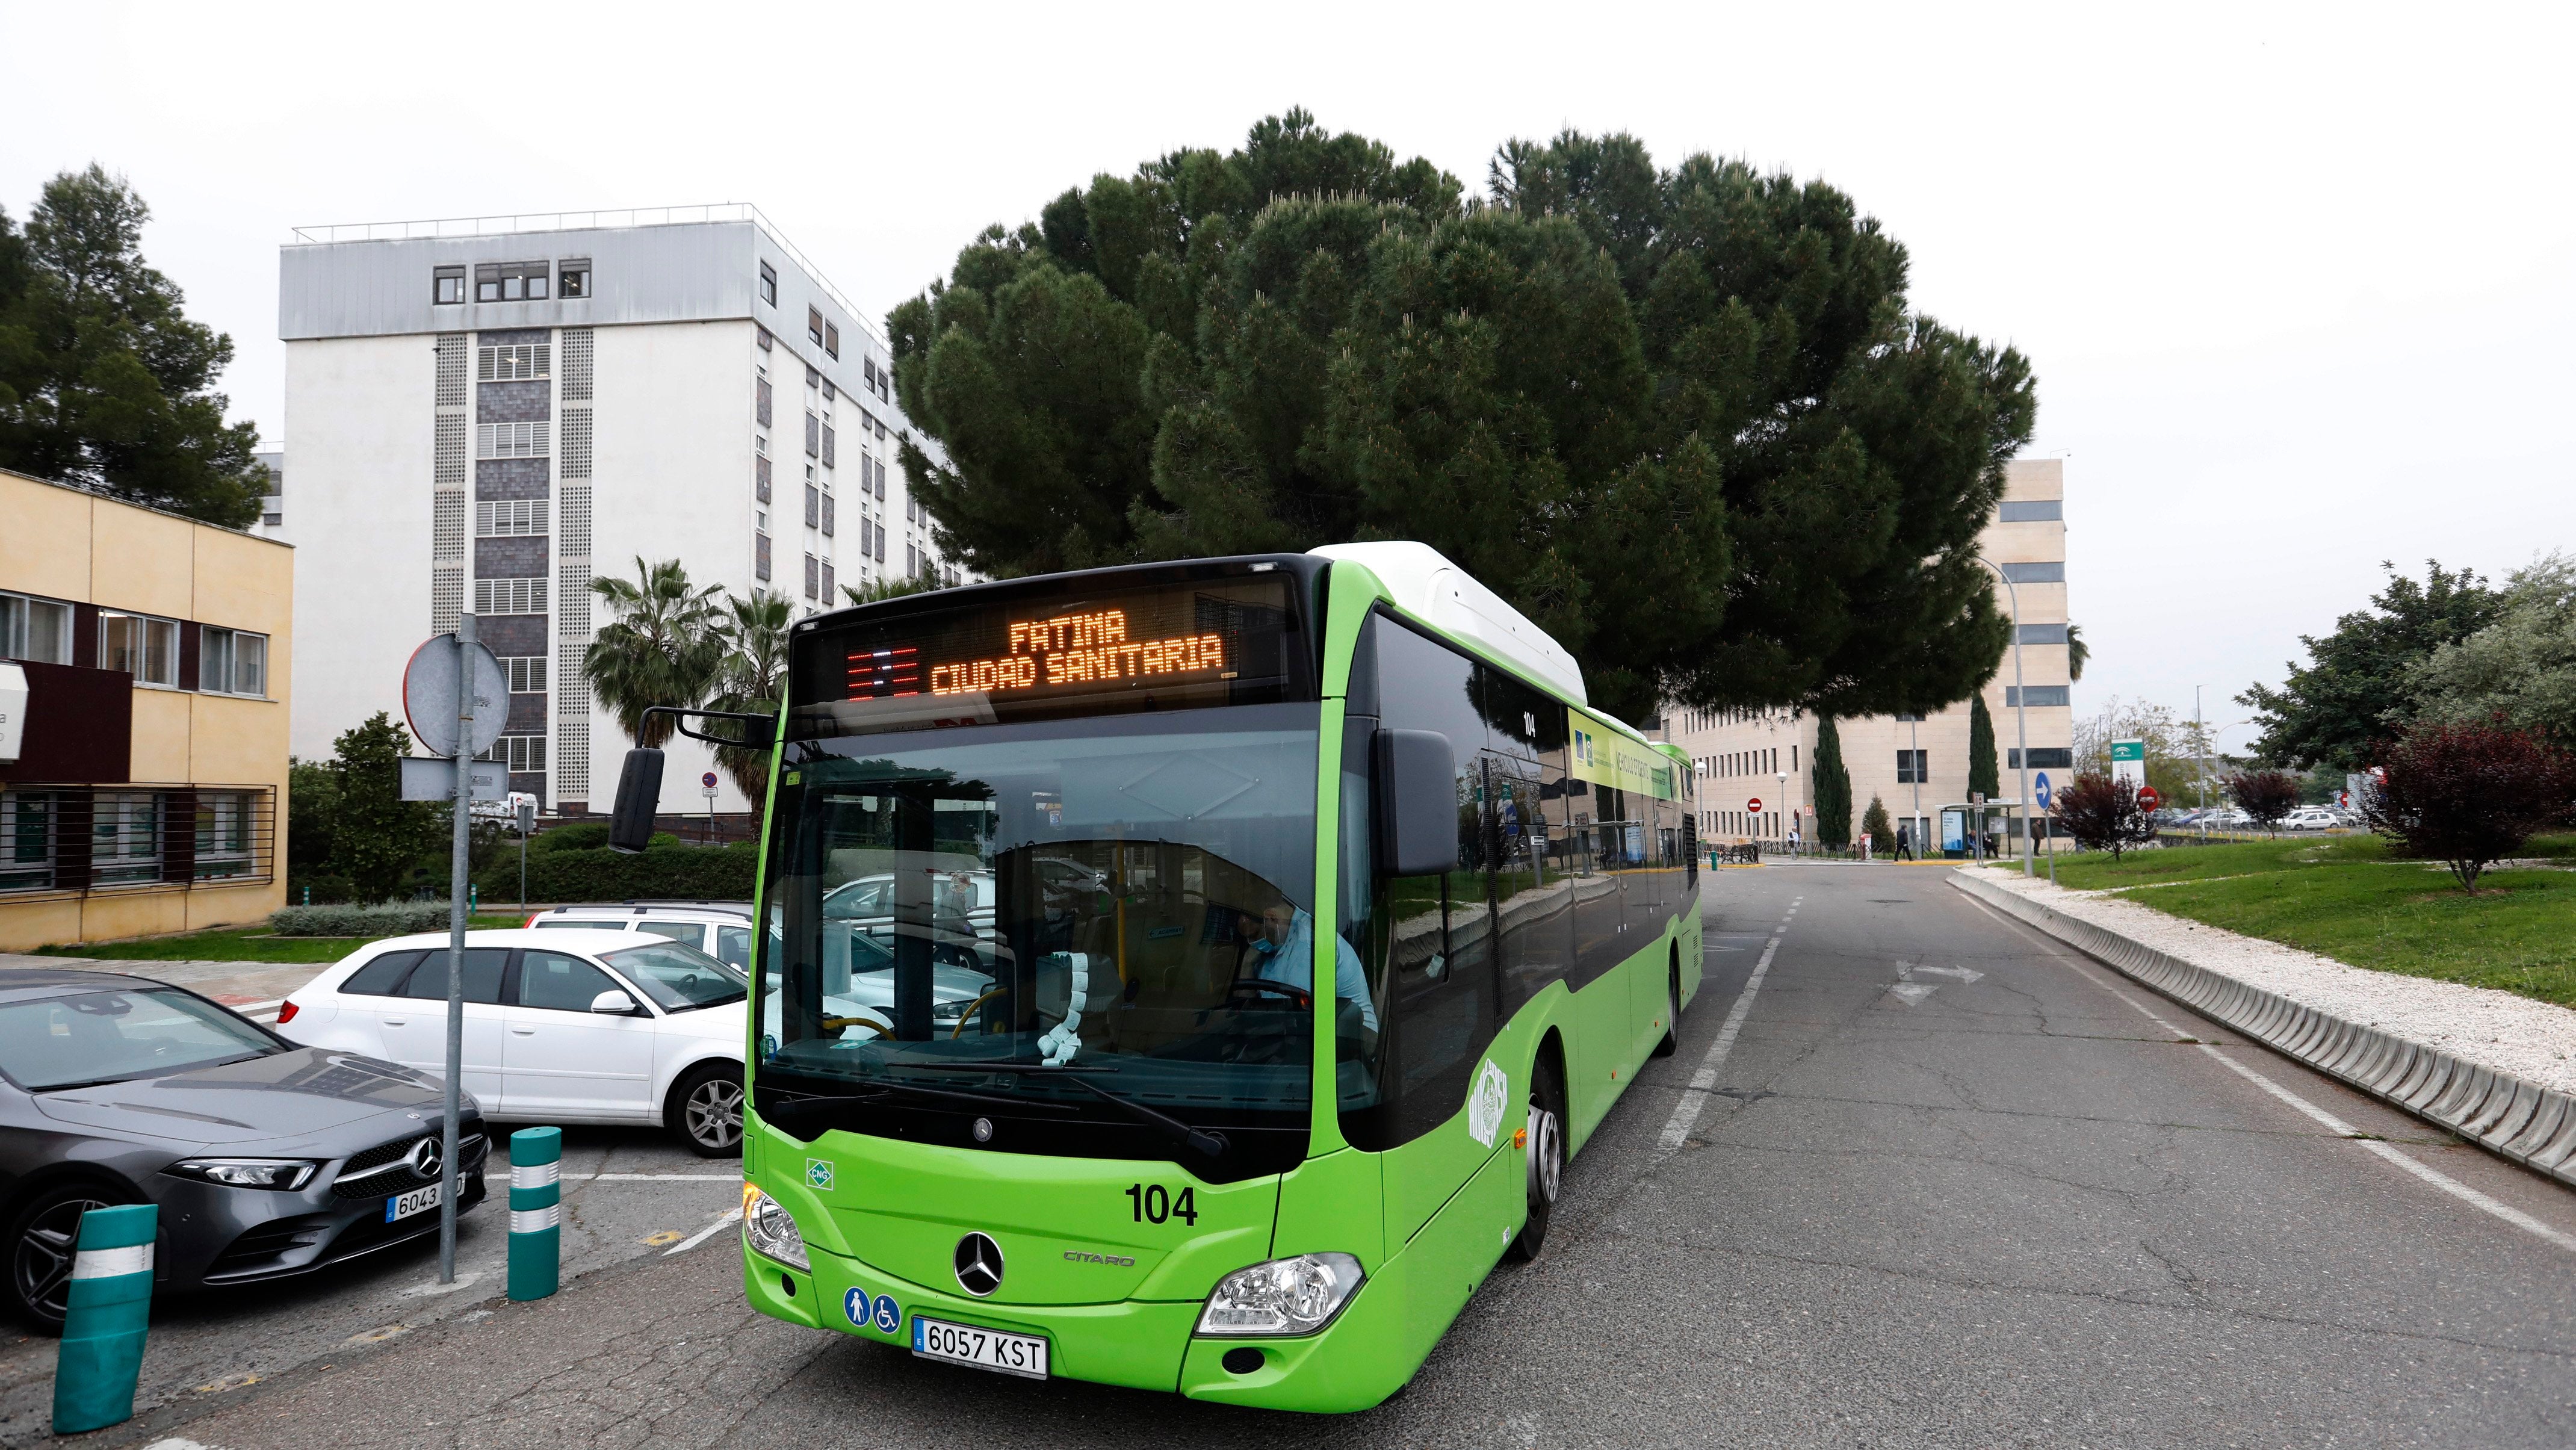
<point>1118,896</point>
<point>96,1037</point>
<point>678,978</point>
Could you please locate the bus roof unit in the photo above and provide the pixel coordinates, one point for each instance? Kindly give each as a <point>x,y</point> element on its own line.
<point>1426,583</point>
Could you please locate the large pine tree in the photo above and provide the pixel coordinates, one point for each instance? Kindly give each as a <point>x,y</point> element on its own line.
<point>104,381</point>
<point>1685,419</point>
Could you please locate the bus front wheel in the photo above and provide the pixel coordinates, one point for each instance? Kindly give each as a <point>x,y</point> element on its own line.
<point>1546,1159</point>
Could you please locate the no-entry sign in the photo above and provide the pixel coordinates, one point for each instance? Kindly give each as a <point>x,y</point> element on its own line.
<point>1753,807</point>
<point>2148,799</point>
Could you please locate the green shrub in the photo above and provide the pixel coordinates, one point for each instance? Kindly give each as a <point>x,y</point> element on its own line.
<point>391,918</point>
<point>664,870</point>
<point>579,836</point>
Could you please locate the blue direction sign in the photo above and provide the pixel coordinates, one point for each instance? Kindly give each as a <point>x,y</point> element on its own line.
<point>2039,790</point>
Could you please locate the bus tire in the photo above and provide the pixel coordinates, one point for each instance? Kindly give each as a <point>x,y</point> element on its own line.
<point>1545,1177</point>
<point>1672,1009</point>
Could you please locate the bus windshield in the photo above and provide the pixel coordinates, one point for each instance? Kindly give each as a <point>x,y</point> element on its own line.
<point>1086,936</point>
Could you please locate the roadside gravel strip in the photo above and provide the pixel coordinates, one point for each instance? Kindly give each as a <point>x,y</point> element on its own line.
<point>2495,1068</point>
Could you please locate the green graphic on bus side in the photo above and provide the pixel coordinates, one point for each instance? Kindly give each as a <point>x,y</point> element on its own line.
<point>1603,756</point>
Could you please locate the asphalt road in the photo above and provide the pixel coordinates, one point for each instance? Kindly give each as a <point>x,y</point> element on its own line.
<point>1949,1185</point>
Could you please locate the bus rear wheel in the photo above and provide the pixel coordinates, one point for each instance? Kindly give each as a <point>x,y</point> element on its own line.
<point>1545,1152</point>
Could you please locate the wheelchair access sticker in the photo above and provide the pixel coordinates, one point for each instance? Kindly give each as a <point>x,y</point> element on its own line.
<point>882,1313</point>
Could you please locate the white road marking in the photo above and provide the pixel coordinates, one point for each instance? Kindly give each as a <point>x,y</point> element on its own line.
<point>1962,974</point>
<point>2341,1129</point>
<point>1703,1082</point>
<point>702,1235</point>
<point>1912,993</point>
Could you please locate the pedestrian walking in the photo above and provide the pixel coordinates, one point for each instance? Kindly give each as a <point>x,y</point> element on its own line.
<point>1904,841</point>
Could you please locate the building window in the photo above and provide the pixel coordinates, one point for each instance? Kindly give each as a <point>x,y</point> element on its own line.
<point>761,336</point>
<point>146,648</point>
<point>760,403</point>
<point>879,554</point>
<point>35,629</point>
<point>2043,634</point>
<point>510,282</point>
<point>813,506</point>
<point>760,555</point>
<point>1904,719</point>
<point>517,362</point>
<point>125,838</point>
<point>2043,757</point>
<point>520,754</point>
<point>510,596</point>
<point>760,477</point>
<point>232,662</point>
<point>832,340</point>
<point>447,286</point>
<point>572,278</point>
<point>827,521</point>
<point>881,477</point>
<point>2050,572</point>
<point>828,596</point>
<point>26,840</point>
<point>814,324</point>
<point>2031,511</point>
<point>828,460</point>
<point>1913,767</point>
<point>527,674</point>
<point>768,284</point>
<point>511,440</point>
<point>509,518</point>
<point>813,579</point>
<point>2036,696</point>
<point>227,838</point>
<point>813,435</point>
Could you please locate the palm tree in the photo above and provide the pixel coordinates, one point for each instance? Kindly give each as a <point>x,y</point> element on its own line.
<point>2077,652</point>
<point>891,587</point>
<point>751,679</point>
<point>662,650</point>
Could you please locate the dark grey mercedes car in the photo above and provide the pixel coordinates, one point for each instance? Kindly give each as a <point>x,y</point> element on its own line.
<point>267,1159</point>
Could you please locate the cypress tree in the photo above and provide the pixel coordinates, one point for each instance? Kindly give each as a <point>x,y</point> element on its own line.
<point>1832,787</point>
<point>1983,774</point>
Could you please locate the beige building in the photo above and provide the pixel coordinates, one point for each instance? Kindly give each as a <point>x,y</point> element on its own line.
<point>1914,766</point>
<point>144,789</point>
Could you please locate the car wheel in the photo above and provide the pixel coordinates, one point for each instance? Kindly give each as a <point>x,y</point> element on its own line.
<point>706,1110</point>
<point>1545,1160</point>
<point>42,1239</point>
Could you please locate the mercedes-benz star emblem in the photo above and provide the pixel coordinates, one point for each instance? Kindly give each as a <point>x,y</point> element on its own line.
<point>426,1156</point>
<point>979,1265</point>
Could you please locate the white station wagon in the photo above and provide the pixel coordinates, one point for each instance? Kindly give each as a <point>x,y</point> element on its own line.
<point>561,1026</point>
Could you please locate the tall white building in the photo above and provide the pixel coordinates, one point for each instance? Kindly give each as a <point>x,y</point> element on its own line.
<point>489,413</point>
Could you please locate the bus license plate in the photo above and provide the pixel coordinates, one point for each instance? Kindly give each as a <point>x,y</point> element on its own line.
<point>419,1200</point>
<point>1019,1354</point>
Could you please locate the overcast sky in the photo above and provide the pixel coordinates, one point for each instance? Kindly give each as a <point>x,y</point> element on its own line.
<point>2295,280</point>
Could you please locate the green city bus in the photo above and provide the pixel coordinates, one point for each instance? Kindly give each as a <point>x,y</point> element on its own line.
<point>1194,976</point>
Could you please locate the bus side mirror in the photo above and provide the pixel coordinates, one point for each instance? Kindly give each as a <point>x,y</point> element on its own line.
<point>639,791</point>
<point>1417,792</point>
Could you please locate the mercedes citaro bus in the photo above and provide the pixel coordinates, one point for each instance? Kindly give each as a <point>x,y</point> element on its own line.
<point>1192,976</point>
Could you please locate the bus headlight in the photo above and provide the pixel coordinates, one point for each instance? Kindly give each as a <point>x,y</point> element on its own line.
<point>1281,1297</point>
<point>771,1230</point>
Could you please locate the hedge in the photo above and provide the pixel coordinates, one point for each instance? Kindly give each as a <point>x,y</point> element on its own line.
<point>712,873</point>
<point>391,918</point>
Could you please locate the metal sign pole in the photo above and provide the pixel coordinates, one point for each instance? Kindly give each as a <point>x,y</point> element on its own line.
<point>456,872</point>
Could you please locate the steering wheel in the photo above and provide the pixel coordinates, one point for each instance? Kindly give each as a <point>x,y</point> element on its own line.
<point>1297,996</point>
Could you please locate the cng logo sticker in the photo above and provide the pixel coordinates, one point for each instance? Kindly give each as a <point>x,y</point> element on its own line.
<point>818,1173</point>
<point>1485,1107</point>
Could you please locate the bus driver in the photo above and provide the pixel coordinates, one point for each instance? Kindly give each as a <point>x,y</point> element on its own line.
<point>1284,951</point>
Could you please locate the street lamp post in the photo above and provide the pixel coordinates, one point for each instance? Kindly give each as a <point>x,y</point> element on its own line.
<point>2021,725</point>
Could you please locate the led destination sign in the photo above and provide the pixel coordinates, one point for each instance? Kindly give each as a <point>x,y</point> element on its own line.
<point>1081,649</point>
<point>1049,653</point>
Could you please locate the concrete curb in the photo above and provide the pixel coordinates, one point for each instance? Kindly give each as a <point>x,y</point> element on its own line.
<point>2511,1117</point>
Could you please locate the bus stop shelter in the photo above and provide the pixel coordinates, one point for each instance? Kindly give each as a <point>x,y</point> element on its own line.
<point>1962,823</point>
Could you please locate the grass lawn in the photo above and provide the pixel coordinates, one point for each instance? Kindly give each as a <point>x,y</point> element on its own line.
<point>2344,898</point>
<point>239,944</point>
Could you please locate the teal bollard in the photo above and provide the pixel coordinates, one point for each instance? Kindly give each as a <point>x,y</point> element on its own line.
<point>103,1327</point>
<point>536,1212</point>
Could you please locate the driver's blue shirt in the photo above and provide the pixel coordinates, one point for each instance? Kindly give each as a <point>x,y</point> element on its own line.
<point>1293,962</point>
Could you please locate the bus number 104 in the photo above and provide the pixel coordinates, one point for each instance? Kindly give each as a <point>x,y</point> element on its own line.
<point>1153,1204</point>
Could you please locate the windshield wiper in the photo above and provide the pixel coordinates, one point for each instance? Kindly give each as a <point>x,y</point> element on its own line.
<point>1205,1140</point>
<point>881,1086</point>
